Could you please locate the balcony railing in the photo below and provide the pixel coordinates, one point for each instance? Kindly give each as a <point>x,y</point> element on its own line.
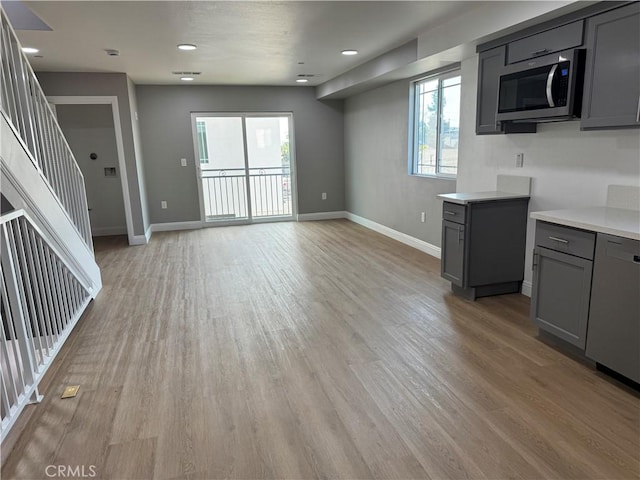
<point>225,193</point>
<point>25,107</point>
<point>40,302</point>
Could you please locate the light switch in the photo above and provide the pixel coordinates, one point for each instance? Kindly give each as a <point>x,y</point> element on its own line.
<point>183,162</point>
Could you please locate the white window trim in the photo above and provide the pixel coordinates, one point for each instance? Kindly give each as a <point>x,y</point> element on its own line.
<point>442,74</point>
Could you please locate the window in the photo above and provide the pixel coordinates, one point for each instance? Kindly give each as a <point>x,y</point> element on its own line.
<point>436,125</point>
<point>201,129</point>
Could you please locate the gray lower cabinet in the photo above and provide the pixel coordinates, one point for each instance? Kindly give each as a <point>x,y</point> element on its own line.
<point>483,246</point>
<point>562,268</point>
<point>453,244</point>
<point>612,73</point>
<point>613,338</point>
<point>560,296</point>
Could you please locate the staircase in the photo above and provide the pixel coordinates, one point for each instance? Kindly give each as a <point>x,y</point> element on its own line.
<point>48,273</point>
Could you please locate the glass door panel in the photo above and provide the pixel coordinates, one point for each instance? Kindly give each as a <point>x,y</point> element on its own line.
<point>269,166</point>
<point>222,169</point>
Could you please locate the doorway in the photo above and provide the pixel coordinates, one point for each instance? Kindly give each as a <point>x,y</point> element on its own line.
<point>245,167</point>
<point>90,133</point>
<point>121,171</point>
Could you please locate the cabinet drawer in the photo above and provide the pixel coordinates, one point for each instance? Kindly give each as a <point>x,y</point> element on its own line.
<point>544,43</point>
<point>454,212</point>
<point>565,239</point>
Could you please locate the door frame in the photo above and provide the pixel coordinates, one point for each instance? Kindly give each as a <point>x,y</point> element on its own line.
<point>117,126</point>
<point>292,167</point>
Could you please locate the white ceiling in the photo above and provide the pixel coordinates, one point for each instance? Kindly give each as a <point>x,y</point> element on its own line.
<point>239,43</point>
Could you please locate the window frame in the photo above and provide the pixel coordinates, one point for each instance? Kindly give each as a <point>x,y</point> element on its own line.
<point>414,111</point>
<point>202,139</point>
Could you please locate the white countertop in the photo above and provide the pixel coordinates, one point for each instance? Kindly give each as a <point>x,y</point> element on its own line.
<point>464,198</point>
<point>614,221</point>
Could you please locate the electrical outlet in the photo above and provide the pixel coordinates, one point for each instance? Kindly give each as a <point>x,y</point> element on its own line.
<point>423,217</point>
<point>324,195</point>
<point>519,160</point>
<point>183,162</point>
<point>163,204</point>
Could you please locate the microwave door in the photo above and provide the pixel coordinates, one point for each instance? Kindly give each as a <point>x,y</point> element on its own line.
<point>526,91</point>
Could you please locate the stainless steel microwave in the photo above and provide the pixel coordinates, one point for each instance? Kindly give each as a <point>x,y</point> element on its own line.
<point>543,89</point>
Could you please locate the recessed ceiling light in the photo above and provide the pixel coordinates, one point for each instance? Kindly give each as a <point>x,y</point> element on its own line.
<point>30,50</point>
<point>349,52</point>
<point>187,46</point>
<point>302,80</point>
<point>186,79</point>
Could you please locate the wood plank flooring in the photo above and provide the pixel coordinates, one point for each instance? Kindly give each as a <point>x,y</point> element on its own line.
<point>315,350</point>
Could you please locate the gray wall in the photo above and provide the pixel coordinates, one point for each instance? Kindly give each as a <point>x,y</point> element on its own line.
<point>165,127</point>
<point>378,186</point>
<point>89,129</point>
<point>105,84</point>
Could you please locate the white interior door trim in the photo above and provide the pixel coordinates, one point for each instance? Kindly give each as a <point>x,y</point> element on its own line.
<point>117,126</point>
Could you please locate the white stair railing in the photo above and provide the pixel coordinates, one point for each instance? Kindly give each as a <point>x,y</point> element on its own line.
<point>25,107</point>
<point>41,301</point>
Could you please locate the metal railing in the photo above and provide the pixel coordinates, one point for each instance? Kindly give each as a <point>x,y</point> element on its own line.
<point>25,107</point>
<point>225,193</point>
<point>40,303</point>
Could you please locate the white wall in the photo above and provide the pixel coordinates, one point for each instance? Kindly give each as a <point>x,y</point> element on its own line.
<point>569,168</point>
<point>137,147</point>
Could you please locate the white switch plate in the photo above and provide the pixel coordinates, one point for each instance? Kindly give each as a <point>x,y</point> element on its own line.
<point>519,160</point>
<point>423,217</point>
<point>183,162</point>
<point>163,204</point>
<point>324,195</point>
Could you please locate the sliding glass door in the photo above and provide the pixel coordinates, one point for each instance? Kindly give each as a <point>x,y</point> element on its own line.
<point>245,167</point>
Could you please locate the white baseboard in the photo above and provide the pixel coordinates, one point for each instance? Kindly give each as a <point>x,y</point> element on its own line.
<point>308,217</point>
<point>106,231</point>
<point>396,235</point>
<point>526,288</point>
<point>163,227</point>
<point>172,226</point>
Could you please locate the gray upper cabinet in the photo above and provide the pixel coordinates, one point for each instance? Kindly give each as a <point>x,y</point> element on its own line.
<point>544,43</point>
<point>612,74</point>
<point>489,65</point>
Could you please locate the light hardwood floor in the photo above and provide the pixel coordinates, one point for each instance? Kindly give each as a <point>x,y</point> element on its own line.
<point>309,350</point>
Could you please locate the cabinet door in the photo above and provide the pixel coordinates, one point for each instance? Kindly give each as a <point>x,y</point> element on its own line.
<point>545,43</point>
<point>452,262</point>
<point>560,296</point>
<point>612,75</point>
<point>489,65</point>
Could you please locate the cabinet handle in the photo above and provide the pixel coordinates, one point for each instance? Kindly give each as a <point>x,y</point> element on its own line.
<point>540,52</point>
<point>449,213</point>
<point>561,240</point>
<point>638,111</point>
